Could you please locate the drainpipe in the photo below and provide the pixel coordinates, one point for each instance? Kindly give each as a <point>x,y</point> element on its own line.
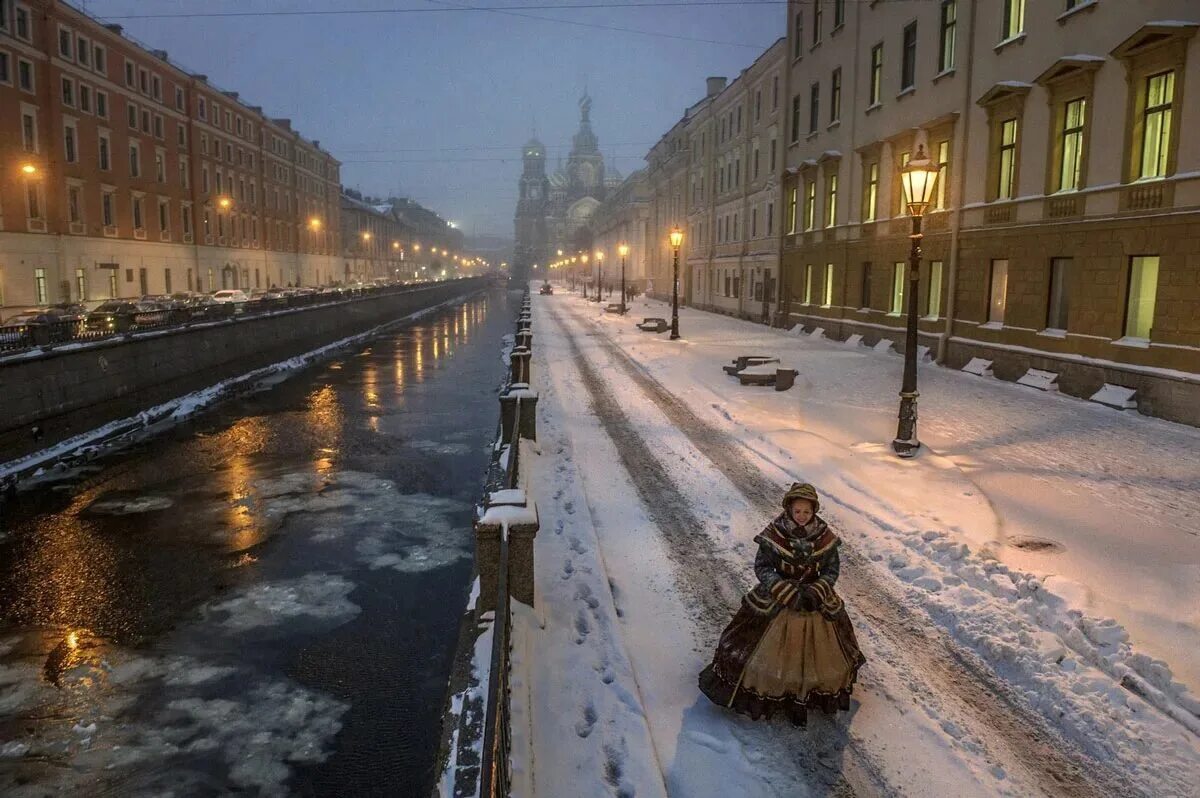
<point>959,192</point>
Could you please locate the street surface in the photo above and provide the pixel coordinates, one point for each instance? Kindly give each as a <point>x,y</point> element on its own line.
<point>264,600</point>
<point>988,672</point>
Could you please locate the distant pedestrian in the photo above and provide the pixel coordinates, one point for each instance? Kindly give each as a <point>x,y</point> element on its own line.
<point>790,646</point>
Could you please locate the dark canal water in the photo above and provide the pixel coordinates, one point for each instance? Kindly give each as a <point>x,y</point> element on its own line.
<point>263,601</point>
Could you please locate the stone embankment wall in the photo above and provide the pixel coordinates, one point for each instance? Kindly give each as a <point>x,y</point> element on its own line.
<point>63,392</point>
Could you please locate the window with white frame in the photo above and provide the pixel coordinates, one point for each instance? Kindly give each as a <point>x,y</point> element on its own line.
<point>130,75</point>
<point>831,192</point>
<point>100,59</point>
<point>135,159</point>
<point>29,130</point>
<point>139,212</point>
<point>108,207</point>
<point>83,52</point>
<point>101,104</point>
<point>26,76</point>
<point>104,152</point>
<point>66,43</point>
<point>23,19</point>
<point>1006,174</point>
<point>948,33</point>
<point>85,98</point>
<point>75,203</point>
<point>1156,124</point>
<point>1070,168</point>
<point>871,192</point>
<point>70,141</point>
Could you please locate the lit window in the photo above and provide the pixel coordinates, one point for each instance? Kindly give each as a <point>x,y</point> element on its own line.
<point>1007,173</point>
<point>1070,175</point>
<point>1013,23</point>
<point>897,306</point>
<point>1156,124</point>
<point>831,186</point>
<point>827,299</point>
<point>876,73</point>
<point>943,163</point>
<point>933,307</point>
<point>810,204</point>
<point>1143,289</point>
<point>808,284</point>
<point>998,292</point>
<point>871,195</point>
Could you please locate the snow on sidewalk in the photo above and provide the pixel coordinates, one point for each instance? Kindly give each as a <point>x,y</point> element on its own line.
<point>625,635</point>
<point>927,522</point>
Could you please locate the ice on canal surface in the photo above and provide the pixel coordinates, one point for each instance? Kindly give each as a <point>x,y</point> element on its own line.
<point>318,597</point>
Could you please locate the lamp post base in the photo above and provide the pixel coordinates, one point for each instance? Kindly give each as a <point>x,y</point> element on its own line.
<point>905,448</point>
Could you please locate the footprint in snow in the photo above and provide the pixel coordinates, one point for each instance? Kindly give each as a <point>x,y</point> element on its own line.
<point>577,546</point>
<point>569,507</point>
<point>584,726</point>
<point>582,627</point>
<point>584,593</point>
<point>559,526</point>
<point>568,570</point>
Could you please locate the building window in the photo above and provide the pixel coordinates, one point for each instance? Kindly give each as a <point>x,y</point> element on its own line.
<point>25,75</point>
<point>1059,301</point>
<point>179,104</point>
<point>108,213</point>
<point>814,107</point>
<point>101,104</point>
<point>875,87</point>
<point>796,118</point>
<point>772,156</point>
<point>5,68</point>
<point>831,187</point>
<point>202,109</point>
<point>69,143</point>
<point>754,222</point>
<point>897,306</point>
<point>1070,171</point>
<point>164,215</point>
<point>827,298</point>
<point>85,98</point>
<point>144,81</point>
<point>39,286</point>
<point>132,114</point>
<point>791,209</point>
<point>158,127</point>
<point>81,284</point>
<point>943,164</point>
<point>100,60</point>
<point>818,13</point>
<point>139,220</point>
<point>68,92</point>
<point>74,204</point>
<point>29,136</point>
<point>997,291</point>
<point>949,23</point>
<point>871,195</point>
<point>1006,176</point>
<point>898,190</point>
<point>184,179</point>
<point>774,92</point>
<point>810,204</point>
<point>104,162</point>
<point>908,60</point>
<point>808,284</point>
<point>185,217</point>
<point>156,88</point>
<point>835,96</point>
<point>1143,289</point>
<point>864,298</point>
<point>933,306</point>
<point>839,13</point>
<point>66,43</point>
<point>160,166</point>
<point>1013,24</point>
<point>770,218</point>
<point>130,80</point>
<point>1156,124</point>
<point>798,35</point>
<point>24,24</point>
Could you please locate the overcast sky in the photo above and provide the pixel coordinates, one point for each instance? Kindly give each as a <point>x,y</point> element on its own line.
<point>435,104</point>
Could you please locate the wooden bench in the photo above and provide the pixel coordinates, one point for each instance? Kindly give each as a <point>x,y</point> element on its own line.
<point>742,361</point>
<point>654,324</point>
<point>781,377</point>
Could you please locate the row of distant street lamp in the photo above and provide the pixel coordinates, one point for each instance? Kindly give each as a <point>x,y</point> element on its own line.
<point>919,179</point>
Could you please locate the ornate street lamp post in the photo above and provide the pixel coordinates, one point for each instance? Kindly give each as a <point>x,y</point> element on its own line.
<point>599,275</point>
<point>623,250</point>
<point>584,259</point>
<point>918,178</point>
<point>676,242</point>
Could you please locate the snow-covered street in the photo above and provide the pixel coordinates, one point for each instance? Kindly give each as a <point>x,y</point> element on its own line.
<point>1026,590</point>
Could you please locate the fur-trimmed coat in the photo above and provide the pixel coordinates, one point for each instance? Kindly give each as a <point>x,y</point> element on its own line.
<point>794,562</point>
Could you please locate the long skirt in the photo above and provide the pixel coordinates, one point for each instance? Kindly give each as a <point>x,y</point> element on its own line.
<point>784,663</point>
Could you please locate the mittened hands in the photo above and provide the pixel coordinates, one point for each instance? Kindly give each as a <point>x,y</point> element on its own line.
<point>809,599</point>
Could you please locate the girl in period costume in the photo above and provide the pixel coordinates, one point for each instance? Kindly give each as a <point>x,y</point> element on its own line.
<point>791,645</point>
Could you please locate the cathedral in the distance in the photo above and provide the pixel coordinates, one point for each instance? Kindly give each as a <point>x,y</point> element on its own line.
<point>554,212</point>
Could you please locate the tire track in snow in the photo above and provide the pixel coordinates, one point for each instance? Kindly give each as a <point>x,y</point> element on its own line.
<point>701,573</point>
<point>1053,763</point>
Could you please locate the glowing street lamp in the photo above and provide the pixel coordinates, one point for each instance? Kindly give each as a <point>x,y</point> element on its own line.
<point>29,170</point>
<point>623,251</point>
<point>599,273</point>
<point>583,259</point>
<point>314,224</point>
<point>918,179</point>
<point>676,242</point>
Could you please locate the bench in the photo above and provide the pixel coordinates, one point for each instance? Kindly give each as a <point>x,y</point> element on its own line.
<point>654,324</point>
<point>781,377</point>
<point>742,361</point>
<point>613,307</point>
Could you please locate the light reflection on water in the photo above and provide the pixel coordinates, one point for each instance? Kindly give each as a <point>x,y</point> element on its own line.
<point>103,587</point>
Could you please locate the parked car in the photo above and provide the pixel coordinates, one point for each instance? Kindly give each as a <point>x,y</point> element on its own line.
<point>176,310</point>
<point>36,327</point>
<point>233,295</point>
<point>116,315</point>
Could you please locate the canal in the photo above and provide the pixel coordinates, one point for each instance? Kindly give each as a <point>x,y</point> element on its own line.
<point>264,600</point>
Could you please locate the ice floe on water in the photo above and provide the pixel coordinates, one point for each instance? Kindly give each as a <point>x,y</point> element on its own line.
<point>315,597</point>
<point>126,723</point>
<point>129,505</point>
<point>441,447</point>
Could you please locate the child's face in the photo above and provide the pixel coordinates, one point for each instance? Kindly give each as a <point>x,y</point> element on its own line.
<point>802,511</point>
